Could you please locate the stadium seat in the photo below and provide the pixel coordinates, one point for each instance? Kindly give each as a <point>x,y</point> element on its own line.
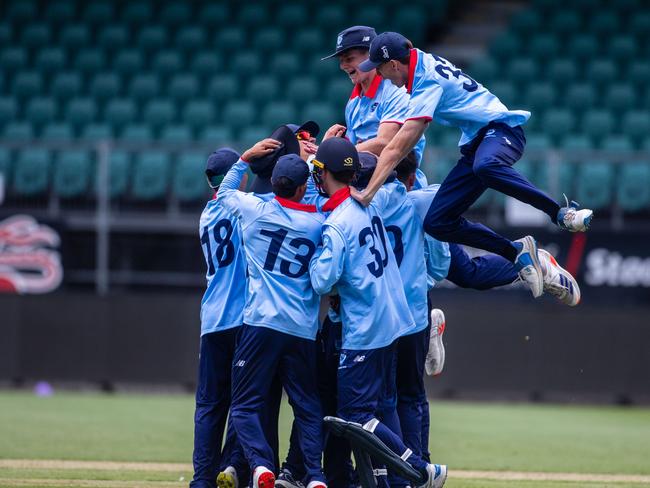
<point>252,15</point>
<point>544,46</point>
<point>246,64</point>
<point>90,60</point>
<point>601,72</point>
<point>620,145</point>
<point>176,134</point>
<point>50,60</point>
<point>113,37</point>
<point>338,92</point>
<point>128,62</point>
<point>638,73</point>
<point>597,123</point>
<point>74,36</point>
<point>322,113</point>
<point>72,174</point>
<point>558,122</point>
<point>18,131</point>
<point>414,20</point>
<point>206,63</point>
<point>36,36</point>
<point>13,59</point>
<point>506,91</point>
<point>559,70</point>
<point>6,34</point>
<point>223,88</point>
<point>251,135</point>
<point>484,70</point>
<point>40,110</point>
<point>182,87</point>
<point>137,12</point>
<point>505,47</point>
<point>20,11</point>
<point>278,113</point>
<point>144,87</point>
<point>98,12</point>
<point>198,113</point>
<point>583,47</point>
<point>633,186</point>
<point>97,132</point>
<point>231,39</point>
<point>269,40</point>
<point>218,135</point>
<point>65,85</point>
<point>60,11</point>
<point>167,62</point>
<point>302,89</point>
<point>522,70</point>
<point>604,23</point>
<point>577,142</point>
<point>150,176</point>
<point>175,13</point>
<point>213,14</point>
<point>238,114</point>
<point>285,66</point>
<point>58,131</point>
<point>540,95</point>
<point>309,41</point>
<point>31,173</point>
<point>152,38</point>
<point>190,39</point>
<point>119,173</point>
<point>538,142</point>
<point>564,22</point>
<point>119,112</point>
<point>636,124</point>
<point>105,85</point>
<point>639,24</point>
<point>27,84</point>
<point>593,184</point>
<point>580,97</point>
<point>622,49</point>
<point>330,16</point>
<point>6,164</point>
<point>80,111</point>
<point>159,112</point>
<point>136,133</point>
<point>261,89</point>
<point>189,182</point>
<point>621,97</point>
<point>526,22</point>
<point>291,15</point>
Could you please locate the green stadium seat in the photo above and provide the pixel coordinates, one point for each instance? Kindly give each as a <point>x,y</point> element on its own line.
<point>66,85</point>
<point>137,12</point>
<point>251,135</point>
<point>144,87</point>
<point>5,164</point>
<point>605,23</point>
<point>246,64</point>
<point>331,16</point>
<point>522,70</point>
<point>558,122</point>
<point>31,173</point>
<point>231,39</point>
<point>440,168</point>
<point>621,97</point>
<point>559,70</point>
<point>593,185</point>
<point>60,11</point>
<point>74,36</point>
<point>72,174</point>
<point>538,142</point>
<point>98,12</point>
<point>97,132</point>
<point>105,85</point>
<point>580,97</point>
<point>159,112</point>
<point>636,124</point>
<point>35,36</point>
<point>413,21</point>
<point>198,113</point>
<point>27,84</point>
<point>583,47</point>
<point>291,15</point>
<point>119,173</point>
<point>638,73</point>
<point>526,22</point>
<point>139,133</point>
<point>50,60</point>
<point>183,87</point>
<point>8,109</point>
<point>190,38</point>
<point>540,95</point>
<point>261,89</point>
<point>188,182</point>
<point>322,70</point>
<point>174,13</point>
<point>448,139</point>
<point>269,40</point>
<point>80,111</point>
<point>587,6</point>
<point>505,47</point>
<point>20,11</point>
<point>113,37</point>
<point>285,65</point>
<point>90,60</point>
<point>374,15</point>
<point>602,72</point>
<point>564,22</point>
<point>577,142</point>
<point>152,38</point>
<point>252,15</point>
<point>484,70</point>
<point>59,131</point>
<point>40,111</point>
<point>150,176</point>
<point>275,114</point>
<point>597,123</point>
<point>206,63</point>
<point>128,61</point>
<point>6,34</point>
<point>13,59</point>
<point>338,92</point>
<point>176,134</point>
<point>619,145</point>
<point>213,14</point>
<point>633,186</point>
<point>322,113</point>
<point>506,91</point>
<point>639,24</point>
<point>119,112</point>
<point>167,62</point>
<point>301,89</point>
<point>544,46</point>
<point>309,41</point>
<point>622,48</point>
<point>216,134</point>
<point>238,114</point>
<point>223,88</point>
<point>18,131</point>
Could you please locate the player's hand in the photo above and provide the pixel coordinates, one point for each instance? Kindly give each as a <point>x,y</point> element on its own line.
<point>260,149</point>
<point>307,148</point>
<point>360,196</point>
<point>337,130</point>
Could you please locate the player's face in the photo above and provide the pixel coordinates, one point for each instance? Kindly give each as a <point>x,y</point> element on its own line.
<point>393,71</point>
<point>350,60</point>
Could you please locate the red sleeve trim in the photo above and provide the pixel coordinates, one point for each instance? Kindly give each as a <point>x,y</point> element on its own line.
<point>413,61</point>
<point>425,117</point>
<point>391,122</point>
<point>296,205</point>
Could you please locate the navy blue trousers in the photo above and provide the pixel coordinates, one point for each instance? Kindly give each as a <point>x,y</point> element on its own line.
<point>481,272</point>
<point>486,162</point>
<point>212,405</point>
<point>262,353</point>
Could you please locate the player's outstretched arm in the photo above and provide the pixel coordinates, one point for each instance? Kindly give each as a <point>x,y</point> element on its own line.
<point>405,140</point>
<point>377,144</point>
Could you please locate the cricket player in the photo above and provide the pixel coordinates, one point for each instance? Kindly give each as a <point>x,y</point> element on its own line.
<point>356,259</point>
<point>281,312</point>
<point>492,140</point>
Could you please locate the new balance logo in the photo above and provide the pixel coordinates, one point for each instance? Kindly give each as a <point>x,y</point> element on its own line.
<point>359,359</point>
<point>365,39</point>
<point>240,363</point>
<point>508,141</point>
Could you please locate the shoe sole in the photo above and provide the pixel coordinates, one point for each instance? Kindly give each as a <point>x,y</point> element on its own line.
<point>225,480</point>
<point>569,276</point>
<point>436,343</point>
<point>532,244</point>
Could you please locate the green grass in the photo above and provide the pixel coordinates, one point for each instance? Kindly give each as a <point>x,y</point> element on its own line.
<point>472,436</point>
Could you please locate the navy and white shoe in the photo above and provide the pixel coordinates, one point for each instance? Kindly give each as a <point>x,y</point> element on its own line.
<point>286,480</point>
<point>437,475</point>
<point>435,359</point>
<point>574,219</point>
<point>558,281</point>
<point>528,265</point>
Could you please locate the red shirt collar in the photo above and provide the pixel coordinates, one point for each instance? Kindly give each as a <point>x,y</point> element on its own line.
<point>372,89</point>
<point>337,199</point>
<point>413,61</point>
<point>295,205</point>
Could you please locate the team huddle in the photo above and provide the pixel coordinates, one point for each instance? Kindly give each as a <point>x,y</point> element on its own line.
<point>319,276</point>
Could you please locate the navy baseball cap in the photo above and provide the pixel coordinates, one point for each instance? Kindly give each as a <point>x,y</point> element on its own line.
<point>262,167</point>
<point>337,154</point>
<point>367,165</point>
<point>292,167</point>
<point>384,47</point>
<point>219,162</point>
<point>356,36</point>
<point>310,126</point>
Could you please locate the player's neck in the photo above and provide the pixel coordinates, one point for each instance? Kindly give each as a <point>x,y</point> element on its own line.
<point>365,84</point>
<point>336,186</point>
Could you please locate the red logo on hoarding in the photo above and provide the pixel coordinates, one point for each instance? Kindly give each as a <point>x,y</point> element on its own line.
<point>29,261</point>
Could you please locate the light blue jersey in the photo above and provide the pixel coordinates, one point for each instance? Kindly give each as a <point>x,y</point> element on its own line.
<point>222,305</point>
<point>406,233</point>
<point>441,92</point>
<point>356,258</point>
<point>279,239</point>
<point>436,252</point>
<point>382,103</point>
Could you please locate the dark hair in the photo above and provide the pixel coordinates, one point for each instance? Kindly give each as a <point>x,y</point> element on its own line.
<point>345,177</point>
<point>284,187</point>
<point>407,166</point>
<point>407,59</point>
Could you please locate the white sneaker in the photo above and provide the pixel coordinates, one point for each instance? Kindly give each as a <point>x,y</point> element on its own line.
<point>435,359</point>
<point>558,281</point>
<point>263,478</point>
<point>572,219</point>
<point>528,266</point>
<point>228,478</point>
<point>437,476</point>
